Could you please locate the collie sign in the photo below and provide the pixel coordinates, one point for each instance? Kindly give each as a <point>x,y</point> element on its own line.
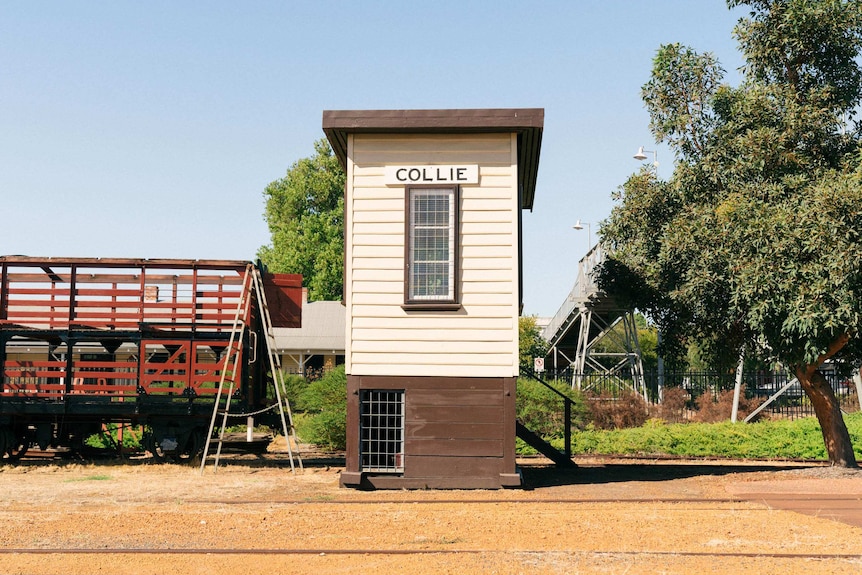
<point>408,175</point>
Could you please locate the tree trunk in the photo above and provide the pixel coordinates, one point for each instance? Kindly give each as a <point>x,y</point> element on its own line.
<point>828,411</point>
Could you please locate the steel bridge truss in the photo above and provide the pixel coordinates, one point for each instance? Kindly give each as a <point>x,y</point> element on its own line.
<point>594,337</point>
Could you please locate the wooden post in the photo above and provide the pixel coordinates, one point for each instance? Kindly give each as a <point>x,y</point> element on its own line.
<point>737,388</point>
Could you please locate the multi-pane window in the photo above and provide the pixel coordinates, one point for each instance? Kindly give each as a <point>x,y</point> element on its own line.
<point>381,430</point>
<point>431,265</point>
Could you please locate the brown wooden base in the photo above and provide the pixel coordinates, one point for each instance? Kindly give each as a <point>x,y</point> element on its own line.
<point>459,433</point>
<point>375,481</point>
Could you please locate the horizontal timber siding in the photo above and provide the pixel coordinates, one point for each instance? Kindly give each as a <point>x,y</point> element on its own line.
<point>480,339</point>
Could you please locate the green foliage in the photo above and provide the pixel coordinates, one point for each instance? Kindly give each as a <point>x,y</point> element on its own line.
<point>542,411</point>
<point>325,402</point>
<point>800,438</point>
<point>680,92</point>
<point>109,438</point>
<point>755,240</point>
<point>812,45</point>
<point>294,386</point>
<point>531,344</point>
<point>305,214</point>
<point>648,342</point>
<point>614,342</point>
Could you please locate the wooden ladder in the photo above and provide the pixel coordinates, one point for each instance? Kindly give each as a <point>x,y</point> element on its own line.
<point>284,410</point>
<point>252,285</point>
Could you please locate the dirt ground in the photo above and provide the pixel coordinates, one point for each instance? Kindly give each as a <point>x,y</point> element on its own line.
<point>253,515</point>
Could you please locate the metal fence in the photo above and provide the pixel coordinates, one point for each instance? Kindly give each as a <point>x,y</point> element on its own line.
<point>758,386</point>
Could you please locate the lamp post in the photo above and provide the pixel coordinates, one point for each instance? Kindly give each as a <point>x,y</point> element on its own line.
<point>641,155</point>
<point>579,225</point>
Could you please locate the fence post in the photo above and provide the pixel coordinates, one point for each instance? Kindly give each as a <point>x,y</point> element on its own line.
<point>857,379</point>
<point>737,387</point>
<point>568,427</point>
<point>660,369</point>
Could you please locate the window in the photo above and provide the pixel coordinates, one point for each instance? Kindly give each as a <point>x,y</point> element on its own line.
<point>431,246</point>
<point>381,431</point>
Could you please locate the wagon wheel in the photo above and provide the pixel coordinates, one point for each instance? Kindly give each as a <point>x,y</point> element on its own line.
<point>193,448</point>
<point>150,444</point>
<point>14,445</point>
<point>7,438</point>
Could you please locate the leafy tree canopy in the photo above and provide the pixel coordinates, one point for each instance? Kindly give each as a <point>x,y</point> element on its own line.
<point>305,214</point>
<point>755,239</point>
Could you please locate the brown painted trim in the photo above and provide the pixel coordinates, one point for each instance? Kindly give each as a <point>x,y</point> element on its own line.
<point>526,122</point>
<point>520,232</point>
<point>430,306</point>
<point>427,382</point>
<point>463,482</point>
<point>441,304</point>
<point>509,432</point>
<point>477,119</point>
<point>351,452</point>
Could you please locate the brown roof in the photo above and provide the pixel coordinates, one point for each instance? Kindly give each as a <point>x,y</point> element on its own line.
<point>526,122</point>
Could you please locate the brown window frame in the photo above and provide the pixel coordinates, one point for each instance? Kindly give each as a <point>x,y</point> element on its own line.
<point>412,303</point>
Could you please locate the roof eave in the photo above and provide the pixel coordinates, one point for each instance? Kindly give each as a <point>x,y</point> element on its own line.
<point>526,122</point>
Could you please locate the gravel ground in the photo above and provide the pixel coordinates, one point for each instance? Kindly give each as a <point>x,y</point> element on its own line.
<point>606,516</point>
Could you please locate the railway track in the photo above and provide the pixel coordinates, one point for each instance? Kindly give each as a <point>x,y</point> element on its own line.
<point>311,551</point>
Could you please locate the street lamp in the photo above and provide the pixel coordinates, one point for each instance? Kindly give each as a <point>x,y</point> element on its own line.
<point>579,225</point>
<point>641,155</point>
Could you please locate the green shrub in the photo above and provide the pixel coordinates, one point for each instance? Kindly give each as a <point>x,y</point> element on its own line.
<point>542,411</point>
<point>799,438</point>
<point>325,404</point>
<point>294,385</point>
<point>108,438</point>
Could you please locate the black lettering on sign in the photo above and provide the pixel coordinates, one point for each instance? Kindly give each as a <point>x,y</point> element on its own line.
<point>399,175</point>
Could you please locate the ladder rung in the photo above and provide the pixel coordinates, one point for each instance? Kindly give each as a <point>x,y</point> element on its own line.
<point>251,281</point>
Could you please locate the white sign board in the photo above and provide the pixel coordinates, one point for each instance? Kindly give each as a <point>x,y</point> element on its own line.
<point>538,364</point>
<point>418,175</point>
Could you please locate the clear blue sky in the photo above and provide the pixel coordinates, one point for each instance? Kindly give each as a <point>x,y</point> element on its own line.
<point>150,129</point>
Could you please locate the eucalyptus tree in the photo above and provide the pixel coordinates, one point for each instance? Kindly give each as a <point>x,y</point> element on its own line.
<point>755,238</point>
<point>305,214</point>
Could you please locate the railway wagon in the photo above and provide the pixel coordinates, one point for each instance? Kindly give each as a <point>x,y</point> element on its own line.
<point>85,342</point>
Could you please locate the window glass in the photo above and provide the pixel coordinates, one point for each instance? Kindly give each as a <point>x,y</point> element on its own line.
<point>431,249</point>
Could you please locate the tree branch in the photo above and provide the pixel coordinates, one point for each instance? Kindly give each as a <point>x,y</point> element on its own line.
<point>833,348</point>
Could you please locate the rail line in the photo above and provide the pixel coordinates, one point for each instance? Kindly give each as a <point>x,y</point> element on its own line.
<point>322,552</point>
<point>597,500</point>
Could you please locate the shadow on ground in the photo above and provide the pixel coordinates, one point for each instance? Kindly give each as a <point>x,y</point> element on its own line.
<point>536,476</point>
<point>536,473</point>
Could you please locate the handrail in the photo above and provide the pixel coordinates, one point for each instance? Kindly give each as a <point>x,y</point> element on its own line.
<point>567,409</point>
<point>584,287</point>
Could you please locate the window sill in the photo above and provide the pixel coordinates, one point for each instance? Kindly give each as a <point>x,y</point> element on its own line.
<point>431,306</point>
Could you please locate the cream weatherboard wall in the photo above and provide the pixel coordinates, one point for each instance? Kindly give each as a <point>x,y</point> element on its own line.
<point>480,339</point>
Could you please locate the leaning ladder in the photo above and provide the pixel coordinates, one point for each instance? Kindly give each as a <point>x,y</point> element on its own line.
<point>252,282</point>
<point>284,410</point>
